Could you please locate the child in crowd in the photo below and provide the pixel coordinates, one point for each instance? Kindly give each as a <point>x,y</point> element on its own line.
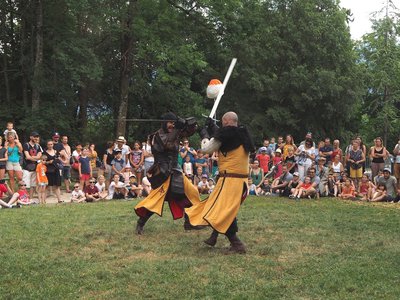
<point>272,144</point>
<point>197,176</point>
<point>10,128</point>
<point>264,188</point>
<point>146,187</point>
<point>366,188</point>
<point>101,186</point>
<point>134,189</point>
<point>118,164</point>
<point>111,187</point>
<point>251,187</point>
<point>300,190</point>
<point>84,168</point>
<point>332,188</point>
<point>203,185</point>
<point>23,195</point>
<point>91,191</point>
<point>376,178</point>
<point>348,190</point>
<point>211,185</point>
<point>117,189</point>
<point>290,160</point>
<point>41,178</point>
<point>380,193</point>
<point>126,174</point>
<point>277,162</point>
<point>10,197</point>
<point>3,158</point>
<point>188,168</point>
<point>77,195</point>
<point>293,184</point>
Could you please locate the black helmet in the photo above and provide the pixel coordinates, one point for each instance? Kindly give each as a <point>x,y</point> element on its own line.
<point>168,117</point>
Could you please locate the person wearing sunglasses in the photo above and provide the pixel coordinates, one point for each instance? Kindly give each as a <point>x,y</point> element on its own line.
<point>22,195</point>
<point>91,191</point>
<point>77,195</point>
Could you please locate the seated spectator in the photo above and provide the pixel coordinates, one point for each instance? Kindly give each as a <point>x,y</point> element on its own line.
<point>279,184</point>
<point>22,195</point>
<point>332,187</point>
<point>322,172</point>
<point>77,194</point>
<point>366,188</point>
<point>91,191</point>
<point>315,181</point>
<point>120,191</point>
<point>256,173</point>
<point>6,195</point>
<point>293,184</point>
<point>211,183</point>
<point>390,183</point>
<point>134,189</point>
<point>197,176</point>
<point>111,187</point>
<point>126,174</point>
<point>348,191</point>
<point>101,186</point>
<point>380,193</point>
<point>301,191</point>
<point>264,188</point>
<point>251,187</point>
<point>203,185</point>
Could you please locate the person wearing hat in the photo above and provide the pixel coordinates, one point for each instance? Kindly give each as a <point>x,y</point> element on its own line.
<point>322,171</point>
<point>32,153</point>
<point>167,180</point>
<point>292,185</point>
<point>277,163</point>
<point>58,146</point>
<point>121,145</point>
<point>203,185</point>
<point>234,144</point>
<point>390,183</point>
<point>263,158</point>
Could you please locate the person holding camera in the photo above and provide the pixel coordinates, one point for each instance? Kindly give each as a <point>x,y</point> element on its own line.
<point>305,157</point>
<point>186,150</point>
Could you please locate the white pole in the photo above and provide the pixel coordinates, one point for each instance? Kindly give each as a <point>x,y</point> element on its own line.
<point>221,91</point>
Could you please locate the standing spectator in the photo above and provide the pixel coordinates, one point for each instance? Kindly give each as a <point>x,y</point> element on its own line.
<point>396,166</point>
<point>378,156</point>
<point>263,158</point>
<point>76,155</point>
<point>148,156</point>
<point>280,143</point>
<point>93,156</point>
<point>306,156</point>
<point>290,160</point>
<point>136,160</point>
<point>322,172</point>
<point>118,164</point>
<point>58,146</point>
<point>272,144</point>
<point>53,173</point>
<point>337,150</point>
<point>197,176</point>
<point>201,161</point>
<point>214,163</point>
<point>65,157</point>
<point>277,162</point>
<point>123,147</point>
<point>188,168</point>
<point>265,145</point>
<point>10,128</point>
<point>356,158</point>
<point>32,153</point>
<point>186,150</point>
<point>13,167</point>
<point>84,169</point>
<point>42,180</point>
<point>3,159</point>
<point>288,144</point>
<point>364,150</point>
<point>327,150</point>
<point>108,157</point>
<point>308,136</point>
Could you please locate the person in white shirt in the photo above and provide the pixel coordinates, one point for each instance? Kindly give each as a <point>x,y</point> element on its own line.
<point>77,195</point>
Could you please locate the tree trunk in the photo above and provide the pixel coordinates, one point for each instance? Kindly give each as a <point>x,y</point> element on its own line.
<point>127,41</point>
<point>83,104</point>
<point>23,60</point>
<point>37,69</point>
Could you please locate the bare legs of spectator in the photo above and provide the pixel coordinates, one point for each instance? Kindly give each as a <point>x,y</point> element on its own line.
<point>11,174</point>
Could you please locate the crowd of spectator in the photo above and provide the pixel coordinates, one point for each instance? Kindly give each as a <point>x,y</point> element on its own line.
<point>308,170</point>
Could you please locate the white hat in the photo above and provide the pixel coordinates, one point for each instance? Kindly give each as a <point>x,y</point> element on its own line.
<point>296,174</point>
<point>278,150</point>
<point>263,149</point>
<point>121,139</point>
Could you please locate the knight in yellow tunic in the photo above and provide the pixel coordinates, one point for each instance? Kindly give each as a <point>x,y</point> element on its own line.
<point>220,209</point>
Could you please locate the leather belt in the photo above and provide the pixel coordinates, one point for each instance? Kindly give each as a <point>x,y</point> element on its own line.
<point>233,175</point>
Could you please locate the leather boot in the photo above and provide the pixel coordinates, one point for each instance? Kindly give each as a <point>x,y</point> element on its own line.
<point>212,240</point>
<point>140,225</point>
<point>236,245</point>
<point>188,226</point>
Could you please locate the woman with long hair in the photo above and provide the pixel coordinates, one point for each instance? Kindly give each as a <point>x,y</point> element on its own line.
<point>13,167</point>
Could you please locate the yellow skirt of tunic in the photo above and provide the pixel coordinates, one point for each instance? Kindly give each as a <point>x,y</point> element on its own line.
<point>221,207</point>
<point>154,202</point>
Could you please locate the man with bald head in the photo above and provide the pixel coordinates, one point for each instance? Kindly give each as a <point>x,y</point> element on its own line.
<point>219,211</point>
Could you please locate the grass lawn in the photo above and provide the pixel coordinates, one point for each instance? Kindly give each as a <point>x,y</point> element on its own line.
<point>311,249</point>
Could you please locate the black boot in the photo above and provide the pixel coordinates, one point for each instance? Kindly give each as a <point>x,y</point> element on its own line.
<point>141,222</point>
<point>188,226</point>
<point>212,240</point>
<point>236,245</point>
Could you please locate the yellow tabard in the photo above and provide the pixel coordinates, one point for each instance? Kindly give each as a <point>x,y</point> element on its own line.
<point>221,207</point>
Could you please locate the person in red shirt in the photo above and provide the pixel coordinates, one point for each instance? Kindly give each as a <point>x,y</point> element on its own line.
<point>91,191</point>
<point>263,159</point>
<point>7,198</point>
